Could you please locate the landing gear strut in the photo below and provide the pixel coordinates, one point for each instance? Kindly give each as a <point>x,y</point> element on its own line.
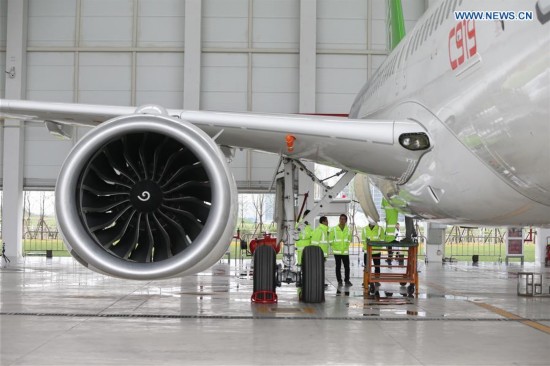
<point>310,276</point>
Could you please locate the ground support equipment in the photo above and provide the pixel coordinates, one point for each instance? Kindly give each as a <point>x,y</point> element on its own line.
<point>402,273</point>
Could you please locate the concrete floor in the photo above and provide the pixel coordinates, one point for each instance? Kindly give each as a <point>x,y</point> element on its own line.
<point>55,312</point>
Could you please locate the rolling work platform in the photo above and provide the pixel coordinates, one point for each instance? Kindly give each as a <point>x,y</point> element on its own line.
<point>404,272</point>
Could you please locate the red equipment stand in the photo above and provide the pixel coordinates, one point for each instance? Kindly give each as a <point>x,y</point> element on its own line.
<point>264,297</point>
<point>266,240</point>
<point>403,273</point>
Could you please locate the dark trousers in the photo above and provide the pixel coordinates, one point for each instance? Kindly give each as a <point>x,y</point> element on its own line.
<point>375,260</point>
<point>339,259</point>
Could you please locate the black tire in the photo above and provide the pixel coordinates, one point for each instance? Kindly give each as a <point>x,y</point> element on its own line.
<point>410,289</point>
<point>313,275</point>
<point>264,269</point>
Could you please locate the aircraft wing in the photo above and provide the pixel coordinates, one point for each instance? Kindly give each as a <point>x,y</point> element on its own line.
<point>362,145</point>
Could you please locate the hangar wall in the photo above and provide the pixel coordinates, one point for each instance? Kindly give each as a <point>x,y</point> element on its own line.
<point>131,52</point>
<point>3,38</point>
<point>242,55</point>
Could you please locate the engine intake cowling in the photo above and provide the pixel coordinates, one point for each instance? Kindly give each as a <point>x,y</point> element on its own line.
<point>146,197</point>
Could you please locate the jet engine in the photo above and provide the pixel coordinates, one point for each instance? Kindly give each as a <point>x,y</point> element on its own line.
<point>146,196</point>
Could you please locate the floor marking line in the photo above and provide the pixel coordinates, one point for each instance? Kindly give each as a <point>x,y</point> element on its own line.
<point>508,315</point>
<point>277,317</point>
<point>496,310</point>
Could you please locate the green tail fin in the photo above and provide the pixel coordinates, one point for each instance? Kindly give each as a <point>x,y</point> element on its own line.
<point>396,23</point>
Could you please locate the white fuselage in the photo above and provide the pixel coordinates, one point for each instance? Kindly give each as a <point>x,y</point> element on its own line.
<point>482,90</point>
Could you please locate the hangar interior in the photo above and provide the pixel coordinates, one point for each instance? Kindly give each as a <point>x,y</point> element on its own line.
<point>213,55</point>
<point>274,56</point>
<point>259,56</point>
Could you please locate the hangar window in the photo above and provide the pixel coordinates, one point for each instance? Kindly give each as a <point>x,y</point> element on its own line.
<point>40,233</point>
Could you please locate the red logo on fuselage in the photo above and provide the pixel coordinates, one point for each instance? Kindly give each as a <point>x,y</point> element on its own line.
<point>462,43</point>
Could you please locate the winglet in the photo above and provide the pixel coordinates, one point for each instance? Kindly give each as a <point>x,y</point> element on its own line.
<point>396,23</point>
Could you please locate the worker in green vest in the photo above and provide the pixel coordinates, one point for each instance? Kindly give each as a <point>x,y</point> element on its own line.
<point>372,232</point>
<point>304,238</point>
<point>320,235</point>
<point>391,222</point>
<point>340,238</point>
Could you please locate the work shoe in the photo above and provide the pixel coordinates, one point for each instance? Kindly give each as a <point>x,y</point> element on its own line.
<point>348,283</point>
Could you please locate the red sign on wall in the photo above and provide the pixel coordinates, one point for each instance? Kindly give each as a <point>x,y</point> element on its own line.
<point>514,241</point>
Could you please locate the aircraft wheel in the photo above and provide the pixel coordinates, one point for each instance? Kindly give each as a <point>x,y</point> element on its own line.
<point>410,289</point>
<point>264,269</point>
<point>313,275</point>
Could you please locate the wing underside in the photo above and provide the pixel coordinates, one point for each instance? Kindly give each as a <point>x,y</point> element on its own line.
<point>368,146</point>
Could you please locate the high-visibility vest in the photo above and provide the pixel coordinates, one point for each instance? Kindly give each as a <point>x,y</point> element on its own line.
<point>304,239</point>
<point>339,240</point>
<point>391,220</point>
<point>320,238</point>
<point>374,234</point>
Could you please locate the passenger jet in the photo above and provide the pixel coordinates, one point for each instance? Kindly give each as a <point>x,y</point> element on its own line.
<point>453,128</point>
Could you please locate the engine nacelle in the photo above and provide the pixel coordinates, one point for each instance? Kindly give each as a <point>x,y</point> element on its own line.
<point>146,197</point>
